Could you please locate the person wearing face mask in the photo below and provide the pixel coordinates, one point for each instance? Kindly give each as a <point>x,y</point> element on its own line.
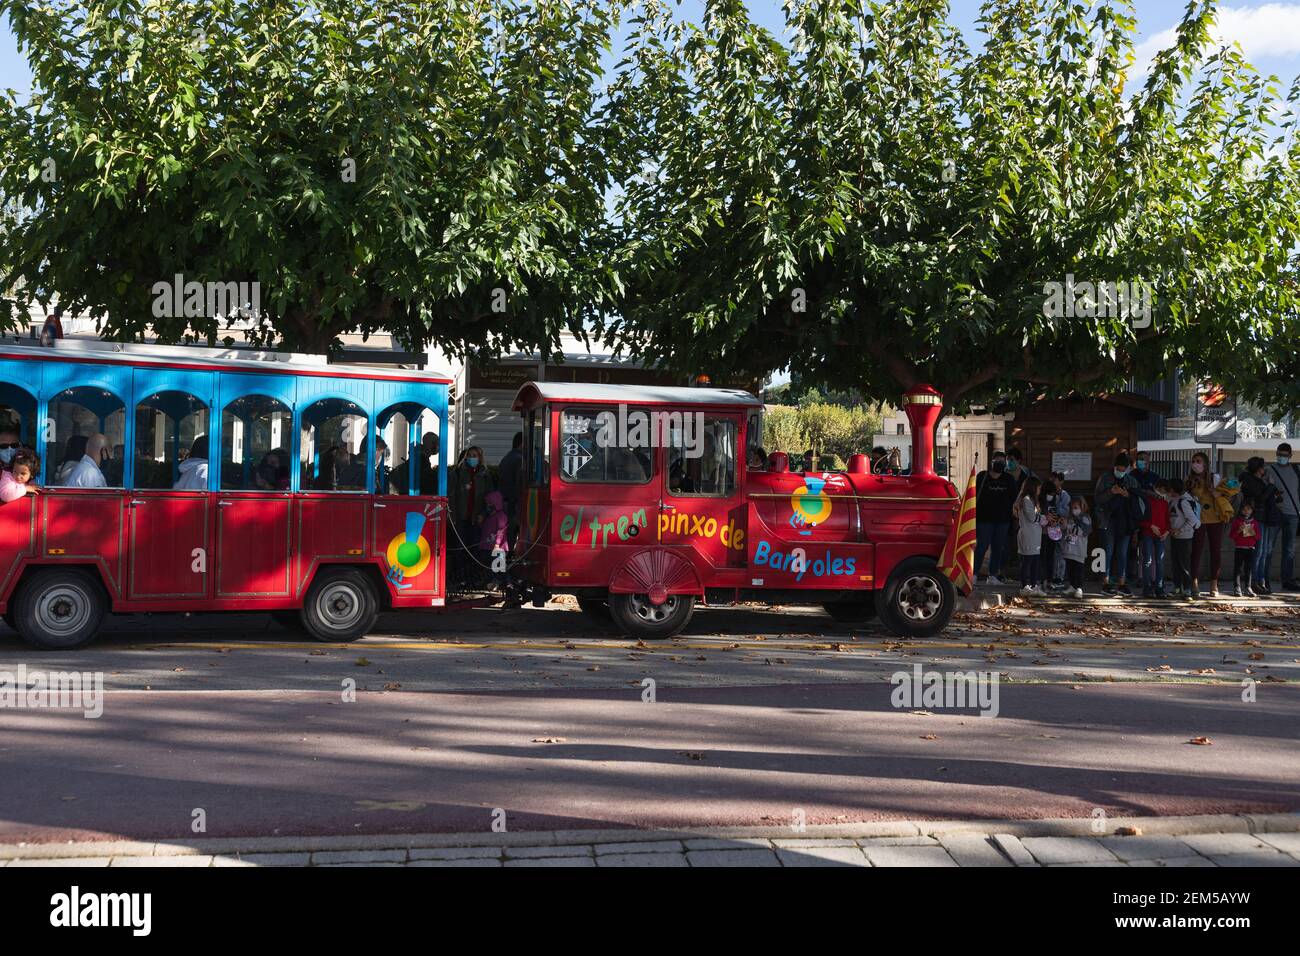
<point>1267,500</point>
<point>9,445</point>
<point>1215,499</point>
<point>1074,546</point>
<point>995,498</point>
<point>88,472</point>
<point>1284,474</point>
<point>1142,472</point>
<point>1244,532</point>
<point>1115,521</point>
<point>1184,519</point>
<point>468,488</point>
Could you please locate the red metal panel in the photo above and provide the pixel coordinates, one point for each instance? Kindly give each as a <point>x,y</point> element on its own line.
<point>17,540</point>
<point>166,529</point>
<point>253,546</point>
<point>82,526</point>
<point>329,528</point>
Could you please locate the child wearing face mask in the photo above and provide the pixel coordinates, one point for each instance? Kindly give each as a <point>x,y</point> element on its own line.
<point>1184,519</point>
<point>1155,531</point>
<point>1244,532</point>
<point>1029,537</point>
<point>1075,545</point>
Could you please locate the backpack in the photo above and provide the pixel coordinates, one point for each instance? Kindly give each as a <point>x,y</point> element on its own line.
<point>1194,519</point>
<point>1139,508</point>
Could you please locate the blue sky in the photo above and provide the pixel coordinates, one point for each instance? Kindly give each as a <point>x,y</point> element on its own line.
<point>1268,31</point>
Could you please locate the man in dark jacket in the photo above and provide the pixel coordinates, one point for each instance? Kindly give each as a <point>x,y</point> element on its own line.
<point>510,476</point>
<point>1113,507</point>
<point>995,496</point>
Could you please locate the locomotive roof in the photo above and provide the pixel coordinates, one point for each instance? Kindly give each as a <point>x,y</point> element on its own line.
<point>193,356</point>
<point>635,394</point>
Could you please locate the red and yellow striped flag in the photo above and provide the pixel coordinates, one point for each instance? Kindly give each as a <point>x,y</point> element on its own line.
<point>958,555</point>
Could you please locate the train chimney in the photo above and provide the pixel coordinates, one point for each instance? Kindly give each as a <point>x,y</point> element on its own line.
<point>923,405</point>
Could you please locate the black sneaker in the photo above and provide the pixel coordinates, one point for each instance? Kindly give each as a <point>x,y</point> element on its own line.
<point>1262,587</point>
<point>1107,588</point>
<point>1123,590</point>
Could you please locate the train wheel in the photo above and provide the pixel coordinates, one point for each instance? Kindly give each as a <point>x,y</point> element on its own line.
<point>851,612</point>
<point>917,600</point>
<point>637,617</point>
<point>289,620</point>
<point>340,606</point>
<point>59,609</point>
<point>595,608</point>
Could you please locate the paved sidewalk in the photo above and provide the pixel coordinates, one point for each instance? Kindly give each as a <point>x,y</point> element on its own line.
<point>1207,841</point>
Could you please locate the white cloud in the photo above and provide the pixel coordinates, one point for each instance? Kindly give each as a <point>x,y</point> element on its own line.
<point>1271,29</point>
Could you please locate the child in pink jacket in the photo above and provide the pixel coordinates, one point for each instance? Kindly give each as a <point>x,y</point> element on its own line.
<point>492,537</point>
<point>1244,532</point>
<point>20,477</point>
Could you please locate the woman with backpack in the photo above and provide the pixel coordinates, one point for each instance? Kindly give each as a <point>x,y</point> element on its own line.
<point>1215,499</point>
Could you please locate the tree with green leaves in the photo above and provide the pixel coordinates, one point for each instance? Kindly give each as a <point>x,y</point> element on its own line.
<point>876,203</point>
<point>433,168</point>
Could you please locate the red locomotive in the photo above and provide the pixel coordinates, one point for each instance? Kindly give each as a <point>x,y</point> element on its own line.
<point>644,501</point>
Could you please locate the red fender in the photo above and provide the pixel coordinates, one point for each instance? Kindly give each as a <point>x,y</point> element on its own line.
<point>657,573</point>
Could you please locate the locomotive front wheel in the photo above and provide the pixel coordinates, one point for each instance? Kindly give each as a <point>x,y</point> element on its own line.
<point>918,599</point>
<point>340,606</point>
<point>59,609</point>
<point>638,617</point>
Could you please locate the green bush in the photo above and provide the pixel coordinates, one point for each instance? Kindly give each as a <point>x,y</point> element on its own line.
<point>834,432</point>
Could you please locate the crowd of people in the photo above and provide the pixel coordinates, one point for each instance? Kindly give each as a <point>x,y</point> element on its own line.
<point>1144,522</point>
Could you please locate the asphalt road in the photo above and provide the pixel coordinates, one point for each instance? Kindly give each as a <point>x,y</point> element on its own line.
<point>757,715</point>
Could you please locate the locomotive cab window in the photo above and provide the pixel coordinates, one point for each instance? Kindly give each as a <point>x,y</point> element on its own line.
<point>607,446</point>
<point>702,456</point>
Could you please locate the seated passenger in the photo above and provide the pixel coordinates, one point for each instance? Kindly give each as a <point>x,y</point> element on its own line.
<point>10,444</point>
<point>87,473</point>
<point>194,469</point>
<point>73,452</point>
<point>266,477</point>
<point>757,458</point>
<point>20,477</point>
<point>429,446</point>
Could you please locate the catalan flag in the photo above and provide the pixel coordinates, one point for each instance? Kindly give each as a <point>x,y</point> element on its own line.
<point>958,555</point>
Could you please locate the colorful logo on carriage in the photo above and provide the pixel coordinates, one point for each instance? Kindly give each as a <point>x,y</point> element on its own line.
<point>408,553</point>
<point>811,506</point>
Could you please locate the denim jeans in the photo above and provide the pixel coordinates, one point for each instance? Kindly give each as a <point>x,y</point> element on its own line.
<point>1116,555</point>
<point>1286,539</point>
<point>991,536</point>
<point>1264,551</point>
<point>1153,562</point>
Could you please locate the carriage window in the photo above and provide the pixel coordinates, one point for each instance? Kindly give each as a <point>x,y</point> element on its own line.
<point>702,456</point>
<point>333,449</point>
<point>171,429</point>
<point>255,435</point>
<point>614,445</point>
<point>537,450</point>
<point>88,432</point>
<point>18,414</point>
<point>407,451</point>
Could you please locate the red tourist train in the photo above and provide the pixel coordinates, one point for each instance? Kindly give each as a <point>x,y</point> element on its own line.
<point>183,479</point>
